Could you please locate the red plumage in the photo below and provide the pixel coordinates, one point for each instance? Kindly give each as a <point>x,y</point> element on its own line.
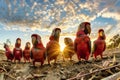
<point>82,46</point>
<point>8,52</point>
<point>99,44</point>
<point>82,43</point>
<point>38,50</point>
<point>26,52</point>
<point>17,51</point>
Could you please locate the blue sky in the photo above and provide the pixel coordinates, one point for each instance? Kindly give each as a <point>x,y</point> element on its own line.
<point>21,18</point>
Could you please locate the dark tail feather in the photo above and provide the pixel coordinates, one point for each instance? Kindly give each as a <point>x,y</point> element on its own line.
<point>45,55</point>
<point>11,55</point>
<point>31,55</point>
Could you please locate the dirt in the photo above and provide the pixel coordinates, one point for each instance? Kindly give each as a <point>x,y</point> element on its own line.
<point>60,71</point>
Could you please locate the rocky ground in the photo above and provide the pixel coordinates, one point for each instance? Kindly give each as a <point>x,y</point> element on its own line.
<point>61,70</point>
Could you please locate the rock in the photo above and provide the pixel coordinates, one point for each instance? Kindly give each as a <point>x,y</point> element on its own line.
<point>61,72</point>
<point>62,69</point>
<point>57,74</point>
<point>39,75</point>
<point>68,72</point>
<point>43,75</point>
<point>20,78</point>
<point>29,77</point>
<point>63,77</point>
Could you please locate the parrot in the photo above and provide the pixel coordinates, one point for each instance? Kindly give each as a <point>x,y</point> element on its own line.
<point>38,50</point>
<point>26,52</point>
<point>82,42</point>
<point>99,45</point>
<point>68,51</point>
<point>17,51</point>
<point>8,52</point>
<point>53,46</point>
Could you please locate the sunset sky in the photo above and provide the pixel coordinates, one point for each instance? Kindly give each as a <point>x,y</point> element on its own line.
<point>21,18</point>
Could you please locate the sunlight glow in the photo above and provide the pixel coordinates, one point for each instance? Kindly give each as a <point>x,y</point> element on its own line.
<point>62,46</point>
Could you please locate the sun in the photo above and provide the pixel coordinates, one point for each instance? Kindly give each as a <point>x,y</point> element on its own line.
<point>62,46</point>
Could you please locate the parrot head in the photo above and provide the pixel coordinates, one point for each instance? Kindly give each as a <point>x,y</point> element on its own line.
<point>18,42</point>
<point>56,33</point>
<point>5,45</point>
<point>101,34</point>
<point>85,26</point>
<point>36,40</point>
<point>68,41</point>
<point>27,45</point>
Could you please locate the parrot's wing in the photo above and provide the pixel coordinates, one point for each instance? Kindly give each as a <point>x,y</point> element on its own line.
<point>105,46</point>
<point>31,55</point>
<point>89,46</point>
<point>94,47</point>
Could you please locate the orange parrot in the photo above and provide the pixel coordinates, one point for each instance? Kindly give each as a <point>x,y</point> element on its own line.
<point>82,43</point>
<point>26,52</point>
<point>53,47</point>
<point>68,51</point>
<point>99,45</point>
<point>38,50</point>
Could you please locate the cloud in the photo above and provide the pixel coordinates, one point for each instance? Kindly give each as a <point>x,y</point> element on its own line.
<point>60,2</point>
<point>108,28</point>
<point>67,15</point>
<point>90,5</point>
<point>25,35</point>
<point>113,15</point>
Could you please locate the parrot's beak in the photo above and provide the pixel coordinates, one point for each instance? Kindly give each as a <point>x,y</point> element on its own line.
<point>28,45</point>
<point>101,33</point>
<point>87,29</point>
<point>33,40</point>
<point>19,41</point>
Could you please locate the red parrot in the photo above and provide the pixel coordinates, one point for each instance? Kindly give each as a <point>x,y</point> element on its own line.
<point>8,52</point>
<point>26,52</point>
<point>38,50</point>
<point>99,45</point>
<point>53,47</point>
<point>82,43</point>
<point>68,51</point>
<point>17,51</point>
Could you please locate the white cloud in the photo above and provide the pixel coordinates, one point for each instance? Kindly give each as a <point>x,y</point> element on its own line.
<point>113,15</point>
<point>90,5</point>
<point>60,2</point>
<point>33,28</point>
<point>25,35</point>
<point>51,17</point>
<point>108,27</point>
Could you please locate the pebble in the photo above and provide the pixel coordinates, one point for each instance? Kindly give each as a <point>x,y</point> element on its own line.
<point>61,72</point>
<point>63,77</point>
